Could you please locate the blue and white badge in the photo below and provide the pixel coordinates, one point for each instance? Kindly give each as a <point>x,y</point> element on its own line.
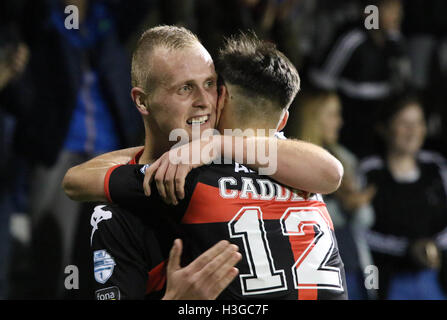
<point>103,265</point>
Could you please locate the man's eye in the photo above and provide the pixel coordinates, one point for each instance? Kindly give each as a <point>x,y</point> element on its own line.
<point>185,88</point>
<point>210,83</point>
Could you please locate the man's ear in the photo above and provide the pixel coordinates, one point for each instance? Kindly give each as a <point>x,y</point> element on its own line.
<point>138,96</point>
<point>282,123</point>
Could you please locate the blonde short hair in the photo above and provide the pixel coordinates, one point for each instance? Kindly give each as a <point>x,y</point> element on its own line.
<point>170,37</point>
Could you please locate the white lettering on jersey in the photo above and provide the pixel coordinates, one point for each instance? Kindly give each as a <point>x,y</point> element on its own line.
<point>295,197</point>
<point>98,215</point>
<point>263,183</point>
<point>238,168</point>
<point>280,195</point>
<point>248,187</point>
<point>223,189</point>
<point>268,190</point>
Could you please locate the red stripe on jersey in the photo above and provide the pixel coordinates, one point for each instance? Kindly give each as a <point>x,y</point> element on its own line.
<point>156,278</point>
<point>307,294</point>
<point>110,170</point>
<point>107,180</point>
<point>208,206</point>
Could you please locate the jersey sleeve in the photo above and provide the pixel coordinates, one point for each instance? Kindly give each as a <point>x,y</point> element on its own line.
<point>120,263</point>
<point>124,186</point>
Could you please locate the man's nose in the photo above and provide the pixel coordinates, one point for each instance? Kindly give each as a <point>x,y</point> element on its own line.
<point>201,99</point>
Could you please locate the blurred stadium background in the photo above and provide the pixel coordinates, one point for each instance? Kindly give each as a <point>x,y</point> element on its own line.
<point>377,99</point>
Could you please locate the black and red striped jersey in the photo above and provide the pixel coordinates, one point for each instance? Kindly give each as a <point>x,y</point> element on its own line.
<point>128,260</point>
<point>287,241</point>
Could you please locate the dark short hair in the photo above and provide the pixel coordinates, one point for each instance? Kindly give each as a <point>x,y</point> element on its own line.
<point>394,104</point>
<point>259,68</point>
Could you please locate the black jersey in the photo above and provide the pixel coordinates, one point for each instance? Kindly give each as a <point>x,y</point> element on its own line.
<point>287,242</point>
<point>128,260</point>
<point>129,251</point>
<point>406,211</point>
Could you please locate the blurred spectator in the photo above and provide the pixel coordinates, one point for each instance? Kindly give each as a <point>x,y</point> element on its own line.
<point>329,17</point>
<point>79,106</point>
<point>315,23</point>
<point>409,236</point>
<point>365,67</point>
<point>318,120</point>
<point>424,33</point>
<point>435,95</point>
<point>218,19</point>
<point>270,19</point>
<point>178,12</point>
<point>427,44</point>
<point>13,60</point>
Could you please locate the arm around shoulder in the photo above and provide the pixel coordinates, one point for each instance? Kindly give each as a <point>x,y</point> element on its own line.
<point>85,182</point>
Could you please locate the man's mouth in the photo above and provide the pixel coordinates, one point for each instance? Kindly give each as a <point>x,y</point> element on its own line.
<point>198,120</point>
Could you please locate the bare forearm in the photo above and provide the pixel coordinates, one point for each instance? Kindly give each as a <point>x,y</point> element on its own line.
<point>295,163</point>
<point>307,167</point>
<point>85,182</point>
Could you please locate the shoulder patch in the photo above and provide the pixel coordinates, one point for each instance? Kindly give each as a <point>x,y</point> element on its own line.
<point>103,265</point>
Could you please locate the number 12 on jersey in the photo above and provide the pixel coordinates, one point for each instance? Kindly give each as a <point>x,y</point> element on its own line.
<point>312,248</point>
